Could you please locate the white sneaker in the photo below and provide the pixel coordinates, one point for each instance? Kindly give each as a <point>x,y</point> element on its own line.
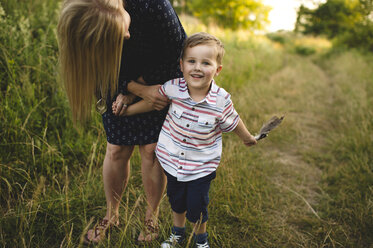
<point>173,241</point>
<point>204,245</point>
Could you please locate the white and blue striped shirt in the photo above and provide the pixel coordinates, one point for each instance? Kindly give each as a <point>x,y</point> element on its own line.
<point>190,143</point>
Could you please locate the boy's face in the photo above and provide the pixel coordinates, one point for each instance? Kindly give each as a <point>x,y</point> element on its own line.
<point>199,67</point>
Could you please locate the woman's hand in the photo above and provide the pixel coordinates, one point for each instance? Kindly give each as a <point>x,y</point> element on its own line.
<point>121,103</point>
<point>154,98</point>
<point>150,93</point>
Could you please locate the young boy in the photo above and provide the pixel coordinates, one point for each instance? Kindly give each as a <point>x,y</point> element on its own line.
<point>190,143</point>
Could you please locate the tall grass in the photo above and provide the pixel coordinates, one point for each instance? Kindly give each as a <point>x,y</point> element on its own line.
<point>350,169</point>
<point>309,184</point>
<point>40,148</point>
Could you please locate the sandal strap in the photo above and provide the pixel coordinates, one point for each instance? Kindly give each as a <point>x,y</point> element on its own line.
<point>102,226</point>
<point>150,226</point>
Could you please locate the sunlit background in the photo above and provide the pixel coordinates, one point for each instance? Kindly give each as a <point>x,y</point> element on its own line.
<point>283,14</point>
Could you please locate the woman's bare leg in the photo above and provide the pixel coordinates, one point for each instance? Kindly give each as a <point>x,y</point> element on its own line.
<point>116,171</point>
<point>154,182</point>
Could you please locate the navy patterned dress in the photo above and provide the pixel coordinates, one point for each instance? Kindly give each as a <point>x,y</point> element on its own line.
<point>152,52</point>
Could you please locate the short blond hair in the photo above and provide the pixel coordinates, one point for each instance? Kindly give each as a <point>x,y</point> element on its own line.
<point>203,38</point>
<point>90,39</point>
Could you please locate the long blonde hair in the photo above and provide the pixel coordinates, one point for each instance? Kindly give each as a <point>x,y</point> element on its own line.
<point>90,39</point>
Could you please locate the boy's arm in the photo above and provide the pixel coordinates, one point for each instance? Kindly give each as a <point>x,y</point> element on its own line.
<point>244,134</point>
<point>150,93</point>
<point>138,108</point>
<point>145,105</point>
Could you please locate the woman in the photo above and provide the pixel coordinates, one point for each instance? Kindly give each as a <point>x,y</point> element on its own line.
<point>115,50</point>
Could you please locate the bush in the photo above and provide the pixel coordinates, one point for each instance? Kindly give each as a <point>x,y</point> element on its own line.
<point>361,36</point>
<point>304,50</point>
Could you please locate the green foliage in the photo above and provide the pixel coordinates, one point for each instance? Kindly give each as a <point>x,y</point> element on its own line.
<point>349,21</point>
<point>278,37</point>
<point>331,18</point>
<point>299,43</point>
<point>361,36</point>
<point>37,138</point>
<point>234,14</point>
<point>305,50</point>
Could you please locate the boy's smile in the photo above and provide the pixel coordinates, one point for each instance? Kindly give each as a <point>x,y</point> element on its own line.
<point>199,67</point>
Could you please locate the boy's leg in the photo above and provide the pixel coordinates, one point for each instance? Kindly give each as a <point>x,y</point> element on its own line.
<point>179,219</point>
<point>177,235</point>
<point>200,234</point>
<point>176,192</point>
<point>198,199</point>
<point>197,202</point>
<point>200,228</point>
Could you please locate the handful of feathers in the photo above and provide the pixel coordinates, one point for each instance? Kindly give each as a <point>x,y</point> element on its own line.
<point>268,126</point>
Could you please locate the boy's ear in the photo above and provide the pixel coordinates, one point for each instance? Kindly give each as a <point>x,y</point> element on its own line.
<point>218,70</point>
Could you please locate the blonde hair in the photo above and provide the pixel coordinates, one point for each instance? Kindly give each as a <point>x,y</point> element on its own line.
<point>203,38</point>
<point>90,39</point>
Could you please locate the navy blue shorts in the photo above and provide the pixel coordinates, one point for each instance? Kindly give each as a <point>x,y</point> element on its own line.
<point>192,196</point>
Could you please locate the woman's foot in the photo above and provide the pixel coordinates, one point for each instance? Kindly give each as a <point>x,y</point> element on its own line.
<point>150,231</point>
<point>99,231</point>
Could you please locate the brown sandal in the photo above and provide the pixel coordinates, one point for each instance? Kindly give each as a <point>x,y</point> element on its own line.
<point>100,232</point>
<point>150,229</point>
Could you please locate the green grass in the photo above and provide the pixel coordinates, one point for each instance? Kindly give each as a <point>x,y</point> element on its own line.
<point>309,184</point>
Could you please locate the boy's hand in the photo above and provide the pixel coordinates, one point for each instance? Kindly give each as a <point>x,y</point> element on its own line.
<point>121,103</point>
<point>250,141</point>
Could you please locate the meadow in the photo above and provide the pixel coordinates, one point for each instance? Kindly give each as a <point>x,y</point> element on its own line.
<point>309,184</point>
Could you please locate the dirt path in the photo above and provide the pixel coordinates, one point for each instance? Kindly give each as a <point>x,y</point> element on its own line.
<point>305,88</point>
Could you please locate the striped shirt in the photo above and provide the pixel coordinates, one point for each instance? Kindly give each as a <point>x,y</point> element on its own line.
<point>190,143</point>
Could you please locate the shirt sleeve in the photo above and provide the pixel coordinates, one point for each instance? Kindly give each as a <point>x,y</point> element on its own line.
<point>229,119</point>
<point>166,89</point>
<point>162,90</point>
<point>171,33</point>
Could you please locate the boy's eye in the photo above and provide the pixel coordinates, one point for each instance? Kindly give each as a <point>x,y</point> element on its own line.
<point>191,61</point>
<point>206,63</point>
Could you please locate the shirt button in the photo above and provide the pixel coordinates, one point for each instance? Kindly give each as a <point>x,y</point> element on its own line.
<point>184,140</point>
<point>180,167</point>
<point>207,123</point>
<point>182,153</point>
<point>187,125</point>
<point>193,108</point>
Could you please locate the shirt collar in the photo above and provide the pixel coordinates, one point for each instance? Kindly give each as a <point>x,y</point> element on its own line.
<point>210,97</point>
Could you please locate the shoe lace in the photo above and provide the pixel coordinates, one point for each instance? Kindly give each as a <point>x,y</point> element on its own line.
<point>204,245</point>
<point>174,238</point>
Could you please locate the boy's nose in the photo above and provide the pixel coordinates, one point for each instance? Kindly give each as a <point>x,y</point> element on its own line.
<point>197,66</point>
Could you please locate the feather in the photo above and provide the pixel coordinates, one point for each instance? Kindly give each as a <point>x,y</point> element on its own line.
<point>268,126</point>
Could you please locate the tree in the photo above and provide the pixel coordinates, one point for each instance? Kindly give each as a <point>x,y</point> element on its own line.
<point>350,22</point>
<point>234,14</point>
<point>331,18</point>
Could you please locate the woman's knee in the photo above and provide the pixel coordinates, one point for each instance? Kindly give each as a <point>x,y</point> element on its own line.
<point>147,151</point>
<point>117,152</point>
